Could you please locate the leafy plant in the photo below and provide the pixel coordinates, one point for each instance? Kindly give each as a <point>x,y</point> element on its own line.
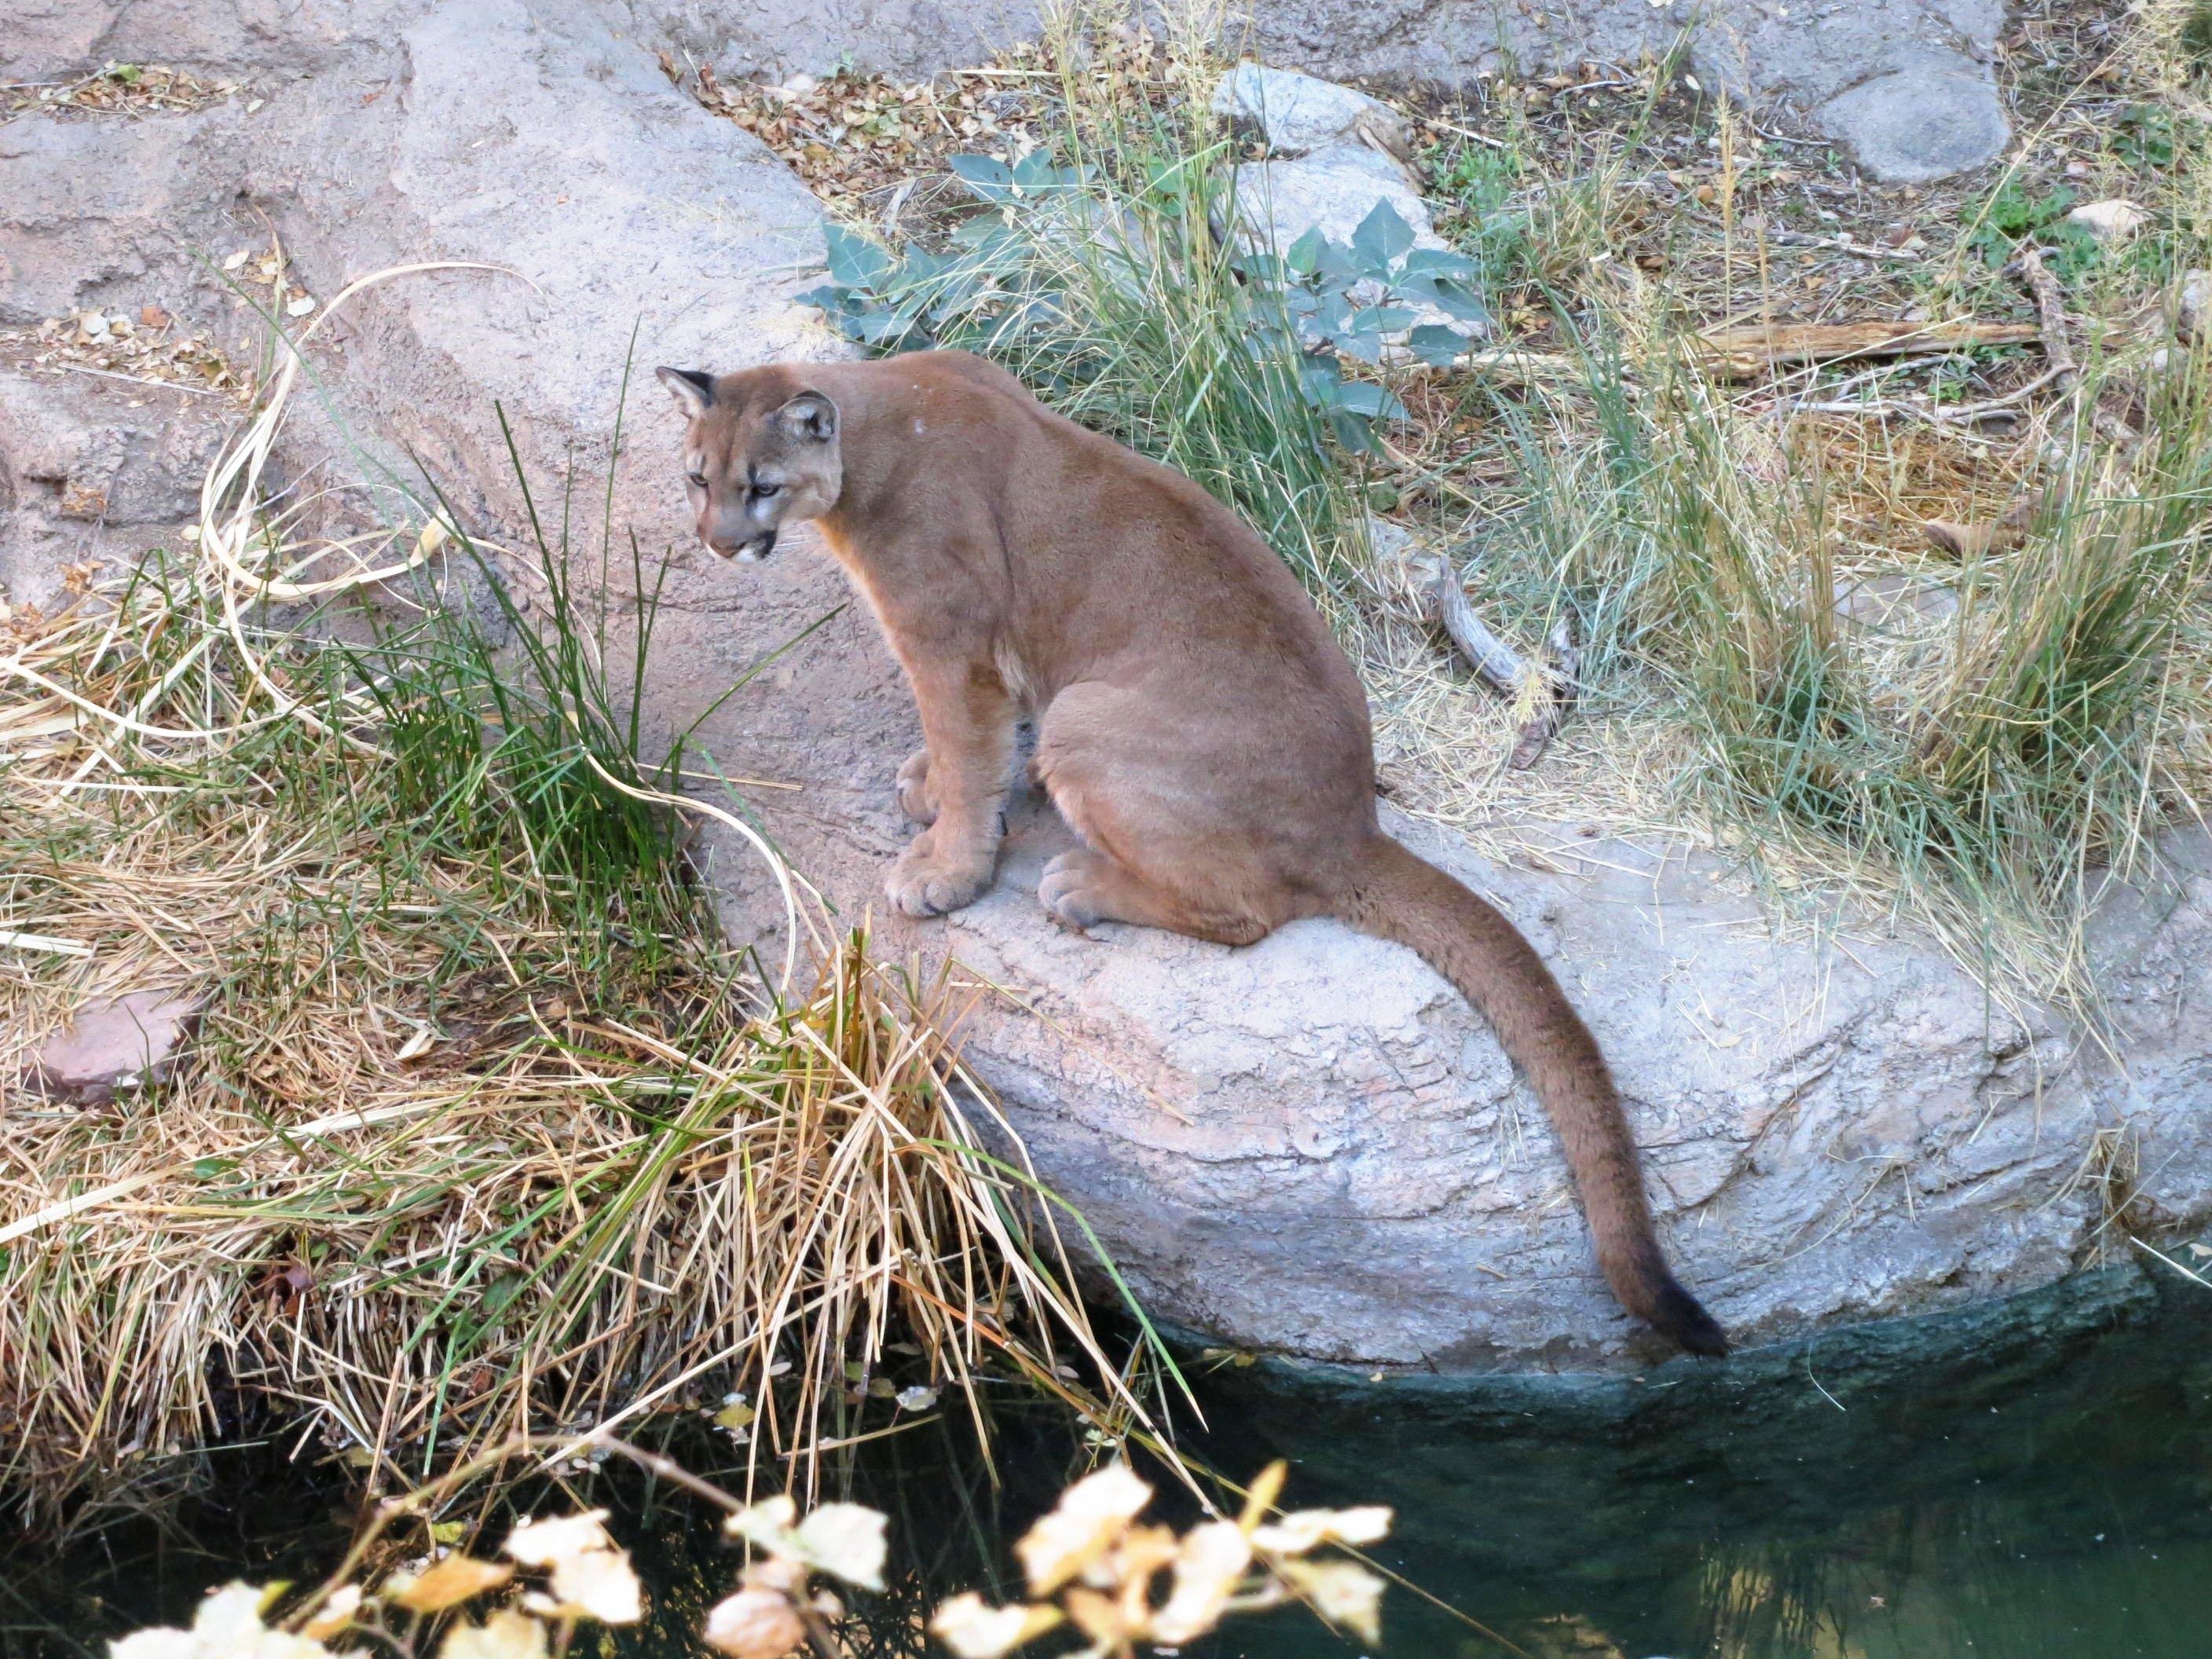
<point>1003,282</point>
<point>2011,217</point>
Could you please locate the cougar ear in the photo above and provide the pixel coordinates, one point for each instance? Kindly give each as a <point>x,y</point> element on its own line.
<point>811,417</point>
<point>692,390</point>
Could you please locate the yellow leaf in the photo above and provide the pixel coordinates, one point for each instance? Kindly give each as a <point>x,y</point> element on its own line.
<point>734,1417</point>
<point>335,1612</point>
<point>506,1635</point>
<point>755,1623</point>
<point>1266,1488</point>
<point>1212,1559</point>
<point>1091,1514</point>
<point>1343,1592</point>
<point>971,1628</point>
<point>1308,1529</point>
<point>450,1582</point>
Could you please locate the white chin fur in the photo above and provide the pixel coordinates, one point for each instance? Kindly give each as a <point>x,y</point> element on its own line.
<point>748,556</point>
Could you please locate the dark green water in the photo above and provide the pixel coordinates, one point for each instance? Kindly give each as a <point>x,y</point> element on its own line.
<point>2027,1480</point>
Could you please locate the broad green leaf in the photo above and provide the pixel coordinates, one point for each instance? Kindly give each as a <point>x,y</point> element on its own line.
<point>1382,237</point>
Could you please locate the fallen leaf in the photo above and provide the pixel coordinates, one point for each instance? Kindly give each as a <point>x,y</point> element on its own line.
<point>300,306</point>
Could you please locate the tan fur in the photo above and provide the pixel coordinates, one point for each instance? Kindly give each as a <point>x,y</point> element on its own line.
<point>1197,724</point>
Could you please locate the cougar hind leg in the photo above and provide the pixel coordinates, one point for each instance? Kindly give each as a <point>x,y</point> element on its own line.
<point>1085,886</point>
<point>1157,852</point>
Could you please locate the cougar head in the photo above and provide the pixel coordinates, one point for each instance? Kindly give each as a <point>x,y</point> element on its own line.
<point>758,455</point>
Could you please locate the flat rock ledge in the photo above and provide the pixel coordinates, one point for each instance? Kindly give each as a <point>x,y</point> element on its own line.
<point>1309,1146</point>
<point>1313,1145</point>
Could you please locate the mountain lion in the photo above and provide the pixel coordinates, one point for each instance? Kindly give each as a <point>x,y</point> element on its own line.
<point>1196,724</point>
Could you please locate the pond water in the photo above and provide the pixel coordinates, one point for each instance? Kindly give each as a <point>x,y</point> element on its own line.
<point>2025,1480</point>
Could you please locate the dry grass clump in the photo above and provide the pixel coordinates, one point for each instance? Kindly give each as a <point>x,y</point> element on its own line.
<point>112,89</point>
<point>482,1130</point>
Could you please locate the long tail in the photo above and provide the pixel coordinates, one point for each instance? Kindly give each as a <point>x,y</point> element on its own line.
<point>1400,897</point>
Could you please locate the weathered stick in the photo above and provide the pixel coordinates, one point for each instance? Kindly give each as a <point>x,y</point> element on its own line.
<point>1501,667</point>
<point>1758,346</point>
<point>2050,313</point>
<point>1489,656</point>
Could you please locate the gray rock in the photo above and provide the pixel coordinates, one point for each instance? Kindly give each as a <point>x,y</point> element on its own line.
<point>1915,126</point>
<point>1332,190</point>
<point>115,1043</point>
<point>93,469</point>
<point>2192,305</point>
<point>1298,113</point>
<point>1314,1146</point>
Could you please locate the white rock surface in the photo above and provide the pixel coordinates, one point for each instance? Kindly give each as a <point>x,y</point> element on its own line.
<point>1299,112</point>
<point>2115,220</point>
<point>114,1043</point>
<point>1331,189</point>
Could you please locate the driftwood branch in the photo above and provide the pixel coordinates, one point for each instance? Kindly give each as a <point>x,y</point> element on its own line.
<point>1562,671</point>
<point>1503,668</point>
<point>1487,654</point>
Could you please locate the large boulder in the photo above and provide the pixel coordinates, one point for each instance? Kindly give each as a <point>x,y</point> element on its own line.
<point>1311,1144</point>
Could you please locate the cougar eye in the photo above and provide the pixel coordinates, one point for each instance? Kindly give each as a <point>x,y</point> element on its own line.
<point>697,478</point>
<point>762,491</point>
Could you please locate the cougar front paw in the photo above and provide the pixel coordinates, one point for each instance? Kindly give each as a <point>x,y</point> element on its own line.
<point>916,797</point>
<point>925,882</point>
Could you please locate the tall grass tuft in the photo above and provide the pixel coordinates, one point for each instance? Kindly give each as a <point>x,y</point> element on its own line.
<point>1988,762</point>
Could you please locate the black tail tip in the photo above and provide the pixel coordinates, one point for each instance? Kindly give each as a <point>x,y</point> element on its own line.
<point>1678,1317</point>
